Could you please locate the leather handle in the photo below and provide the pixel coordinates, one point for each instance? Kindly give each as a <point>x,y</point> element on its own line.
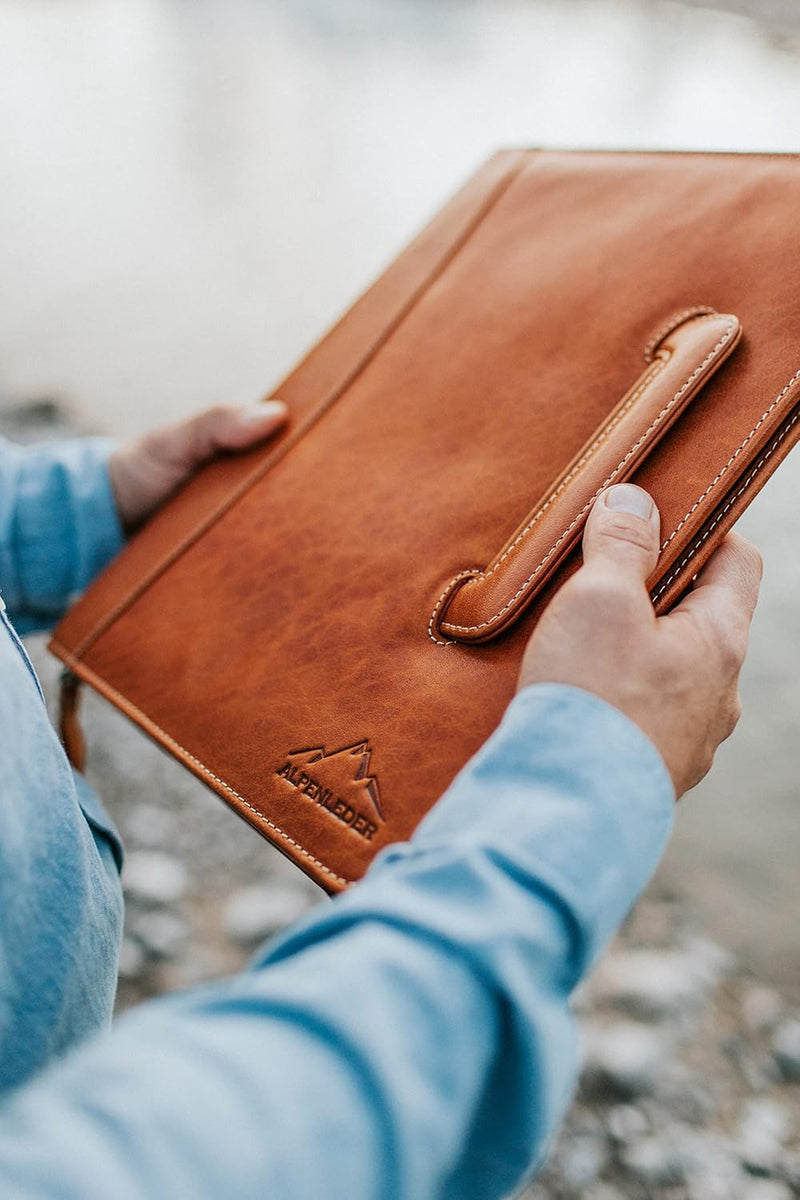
<point>478,604</point>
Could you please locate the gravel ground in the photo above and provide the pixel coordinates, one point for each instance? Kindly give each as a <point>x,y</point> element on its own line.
<point>690,1088</point>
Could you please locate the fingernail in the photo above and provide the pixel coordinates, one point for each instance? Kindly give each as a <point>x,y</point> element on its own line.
<point>626,497</point>
<point>264,410</point>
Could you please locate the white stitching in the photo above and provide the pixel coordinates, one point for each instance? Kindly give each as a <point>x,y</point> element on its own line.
<point>726,508</point>
<point>127,706</point>
<point>731,326</point>
<point>437,608</point>
<point>551,499</point>
<point>672,324</point>
<point>781,395</point>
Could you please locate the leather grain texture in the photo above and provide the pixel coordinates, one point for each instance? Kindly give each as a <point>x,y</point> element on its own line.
<point>325,629</point>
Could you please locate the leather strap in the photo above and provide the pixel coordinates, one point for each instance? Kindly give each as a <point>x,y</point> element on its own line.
<point>69,725</point>
<point>478,604</point>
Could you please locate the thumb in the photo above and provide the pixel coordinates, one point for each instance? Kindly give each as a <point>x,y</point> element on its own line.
<point>623,531</point>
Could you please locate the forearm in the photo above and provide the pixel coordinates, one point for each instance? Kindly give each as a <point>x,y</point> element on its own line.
<point>58,525</point>
<point>60,897</point>
<point>410,1040</point>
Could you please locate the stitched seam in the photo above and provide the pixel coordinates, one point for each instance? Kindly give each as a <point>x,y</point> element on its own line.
<point>440,602</point>
<point>727,507</point>
<point>386,334</point>
<point>447,626</point>
<point>128,707</point>
<point>679,318</point>
<point>551,499</point>
<point>781,395</point>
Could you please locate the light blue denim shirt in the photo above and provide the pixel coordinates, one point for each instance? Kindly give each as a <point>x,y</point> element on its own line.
<point>411,1039</point>
<point>60,899</point>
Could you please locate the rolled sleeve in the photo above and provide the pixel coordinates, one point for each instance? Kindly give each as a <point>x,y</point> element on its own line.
<point>59,525</point>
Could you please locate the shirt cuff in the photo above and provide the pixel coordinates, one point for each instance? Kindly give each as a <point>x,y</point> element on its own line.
<point>571,796</point>
<point>98,532</point>
<point>65,528</point>
<point>98,819</point>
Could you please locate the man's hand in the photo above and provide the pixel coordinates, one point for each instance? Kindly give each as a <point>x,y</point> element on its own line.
<point>675,676</point>
<point>147,471</point>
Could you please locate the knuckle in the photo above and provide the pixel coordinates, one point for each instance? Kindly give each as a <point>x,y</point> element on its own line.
<point>217,413</point>
<point>624,527</point>
<point>728,718</point>
<point>605,591</point>
<point>732,642</point>
<point>723,638</point>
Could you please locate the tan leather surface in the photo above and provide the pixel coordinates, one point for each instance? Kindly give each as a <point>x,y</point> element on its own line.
<point>278,626</point>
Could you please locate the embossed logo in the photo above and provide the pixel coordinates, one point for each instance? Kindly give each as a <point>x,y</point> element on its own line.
<point>339,782</point>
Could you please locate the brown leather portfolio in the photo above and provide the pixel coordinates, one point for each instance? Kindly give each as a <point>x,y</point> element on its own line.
<point>326,628</point>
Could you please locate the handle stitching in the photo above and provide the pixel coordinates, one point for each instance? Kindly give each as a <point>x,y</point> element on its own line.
<point>656,421</point>
<point>127,706</point>
<point>551,499</point>
<point>437,608</point>
<point>678,319</point>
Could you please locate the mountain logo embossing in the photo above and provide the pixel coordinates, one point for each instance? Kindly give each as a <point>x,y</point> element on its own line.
<point>338,782</point>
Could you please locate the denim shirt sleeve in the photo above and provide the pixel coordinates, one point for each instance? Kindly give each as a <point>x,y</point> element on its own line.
<point>60,895</point>
<point>411,1040</point>
<point>58,526</point>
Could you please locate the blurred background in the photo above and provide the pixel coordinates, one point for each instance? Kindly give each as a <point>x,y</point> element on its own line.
<point>190,192</point>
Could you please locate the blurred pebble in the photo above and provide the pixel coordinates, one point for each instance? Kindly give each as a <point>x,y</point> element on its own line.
<point>764,1126</point>
<point>713,1169</point>
<point>190,969</point>
<point>162,935</point>
<point>148,826</point>
<point>652,984</point>
<point>766,1189</point>
<point>788,1168</point>
<point>710,959</point>
<point>624,1059</point>
<point>255,913</point>
<point>761,1009</point>
<point>152,877</point>
<point>786,1048</point>
<point>686,1097</point>
<point>131,959</point>
<point>624,1123</point>
<point>655,1160</point>
<point>583,1161</point>
<point>603,1191</point>
<point>654,924</point>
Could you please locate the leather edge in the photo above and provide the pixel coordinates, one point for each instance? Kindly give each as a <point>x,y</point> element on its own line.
<point>319,871</point>
<point>720,520</point>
